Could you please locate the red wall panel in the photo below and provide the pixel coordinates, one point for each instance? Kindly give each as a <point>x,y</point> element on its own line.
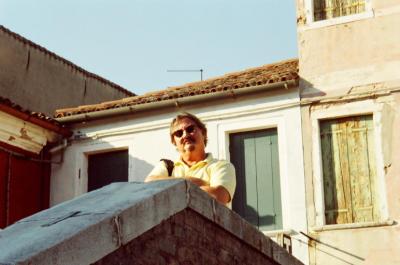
<point>28,182</point>
<point>45,195</point>
<point>3,187</point>
<point>25,188</point>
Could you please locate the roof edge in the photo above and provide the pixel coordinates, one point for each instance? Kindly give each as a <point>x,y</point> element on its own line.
<point>65,61</point>
<point>48,123</point>
<point>177,102</point>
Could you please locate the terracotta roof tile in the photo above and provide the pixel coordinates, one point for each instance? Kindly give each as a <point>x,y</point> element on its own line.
<point>65,61</point>
<point>37,118</point>
<point>266,74</point>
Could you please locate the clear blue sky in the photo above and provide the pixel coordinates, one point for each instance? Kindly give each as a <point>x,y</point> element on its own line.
<point>134,42</point>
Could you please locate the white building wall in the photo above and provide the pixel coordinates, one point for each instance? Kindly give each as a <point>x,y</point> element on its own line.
<point>147,139</point>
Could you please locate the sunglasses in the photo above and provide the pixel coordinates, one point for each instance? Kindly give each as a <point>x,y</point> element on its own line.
<point>188,130</point>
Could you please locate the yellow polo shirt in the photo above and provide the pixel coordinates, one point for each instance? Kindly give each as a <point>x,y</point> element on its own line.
<point>213,171</point>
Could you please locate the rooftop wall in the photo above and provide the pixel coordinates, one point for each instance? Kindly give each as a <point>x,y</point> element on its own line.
<point>36,78</point>
<point>187,238</point>
<point>87,229</point>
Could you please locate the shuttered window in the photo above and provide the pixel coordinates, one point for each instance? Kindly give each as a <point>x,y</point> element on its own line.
<point>326,9</point>
<point>349,173</point>
<point>258,193</point>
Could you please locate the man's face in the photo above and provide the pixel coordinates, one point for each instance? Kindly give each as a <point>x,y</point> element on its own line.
<point>188,137</point>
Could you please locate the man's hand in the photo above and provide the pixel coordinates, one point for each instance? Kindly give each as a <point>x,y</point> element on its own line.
<point>197,181</point>
<point>219,193</point>
<point>152,178</point>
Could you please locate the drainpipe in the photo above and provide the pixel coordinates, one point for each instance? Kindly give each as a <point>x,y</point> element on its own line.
<point>176,102</point>
<point>57,149</point>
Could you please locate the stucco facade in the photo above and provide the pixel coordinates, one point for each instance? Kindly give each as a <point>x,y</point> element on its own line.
<point>146,137</point>
<point>42,81</point>
<point>349,67</point>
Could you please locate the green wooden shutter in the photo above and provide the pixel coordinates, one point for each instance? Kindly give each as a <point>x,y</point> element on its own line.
<point>348,169</point>
<point>258,194</point>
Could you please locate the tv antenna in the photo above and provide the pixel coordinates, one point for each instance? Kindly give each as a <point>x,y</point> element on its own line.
<point>188,70</point>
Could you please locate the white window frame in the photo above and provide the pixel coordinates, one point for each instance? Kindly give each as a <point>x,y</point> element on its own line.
<point>309,11</point>
<point>248,125</point>
<point>346,110</point>
<point>96,147</point>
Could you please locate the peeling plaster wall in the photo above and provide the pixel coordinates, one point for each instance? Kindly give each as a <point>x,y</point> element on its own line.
<point>334,58</point>
<point>385,4</point>
<point>23,134</point>
<point>352,68</point>
<point>392,158</point>
<point>357,245</point>
<point>370,246</point>
<point>42,83</point>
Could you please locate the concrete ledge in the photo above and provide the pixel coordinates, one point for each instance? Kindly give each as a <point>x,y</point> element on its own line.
<point>84,230</point>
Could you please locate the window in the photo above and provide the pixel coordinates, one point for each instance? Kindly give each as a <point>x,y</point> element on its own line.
<point>349,171</point>
<point>327,9</point>
<point>106,168</point>
<point>258,192</point>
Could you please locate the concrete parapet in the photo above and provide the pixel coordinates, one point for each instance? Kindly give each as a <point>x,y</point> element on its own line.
<point>109,220</point>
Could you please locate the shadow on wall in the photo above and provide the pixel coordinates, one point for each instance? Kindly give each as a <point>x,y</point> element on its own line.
<point>253,217</point>
<point>109,166</point>
<point>308,90</point>
<point>140,168</point>
<point>341,255</point>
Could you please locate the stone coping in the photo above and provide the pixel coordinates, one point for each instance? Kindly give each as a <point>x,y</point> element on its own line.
<point>87,228</point>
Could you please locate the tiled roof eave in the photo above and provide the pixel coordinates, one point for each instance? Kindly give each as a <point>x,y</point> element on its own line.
<point>274,74</point>
<point>174,102</point>
<point>33,117</point>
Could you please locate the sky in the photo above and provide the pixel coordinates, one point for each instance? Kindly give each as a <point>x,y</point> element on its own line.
<point>135,42</point>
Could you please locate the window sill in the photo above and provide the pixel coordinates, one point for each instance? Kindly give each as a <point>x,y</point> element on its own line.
<point>274,233</point>
<point>352,226</point>
<point>338,20</point>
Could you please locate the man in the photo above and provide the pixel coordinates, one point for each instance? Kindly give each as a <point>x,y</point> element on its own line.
<point>216,177</point>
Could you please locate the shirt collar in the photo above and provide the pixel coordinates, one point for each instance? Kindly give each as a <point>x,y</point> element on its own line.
<point>206,160</point>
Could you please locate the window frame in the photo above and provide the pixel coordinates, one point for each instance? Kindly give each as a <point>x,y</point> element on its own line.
<point>309,11</point>
<point>266,133</point>
<point>98,146</point>
<point>224,131</point>
<point>109,152</point>
<point>339,111</point>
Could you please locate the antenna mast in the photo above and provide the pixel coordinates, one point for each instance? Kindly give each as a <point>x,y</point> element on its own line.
<point>189,70</point>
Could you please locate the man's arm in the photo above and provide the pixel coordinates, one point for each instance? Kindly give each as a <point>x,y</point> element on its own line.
<point>159,172</point>
<point>152,178</point>
<point>219,192</point>
<point>222,181</point>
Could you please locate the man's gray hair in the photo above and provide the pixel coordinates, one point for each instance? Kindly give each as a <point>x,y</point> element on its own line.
<point>187,115</point>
